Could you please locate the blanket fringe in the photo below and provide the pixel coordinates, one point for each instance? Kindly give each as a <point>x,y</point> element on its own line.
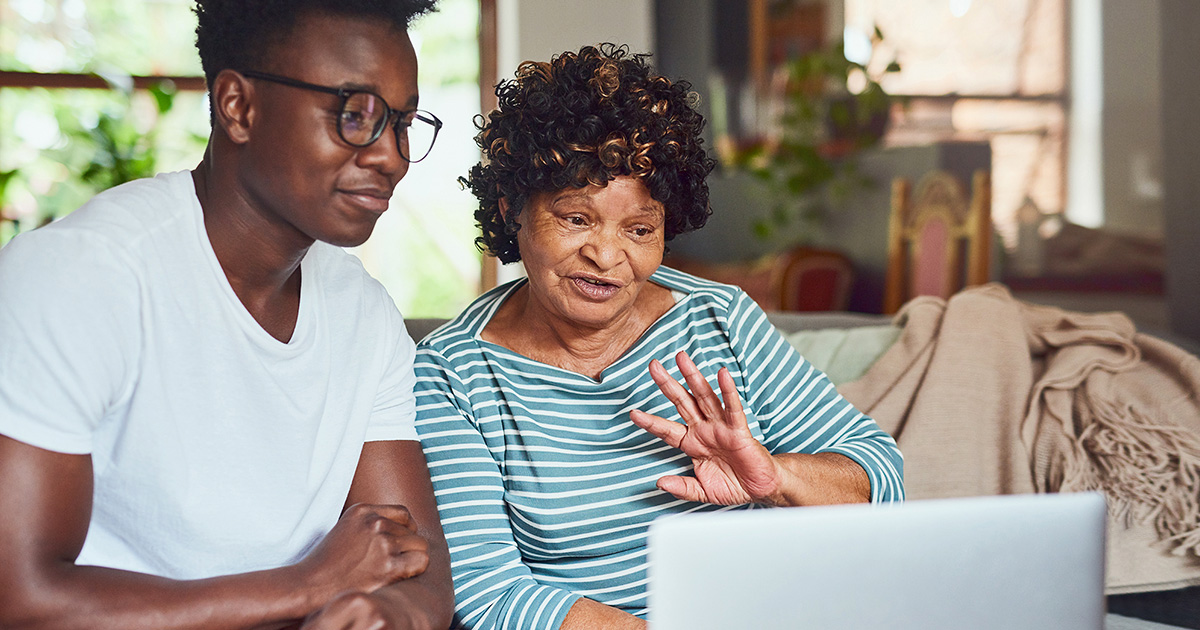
<point>1149,468</point>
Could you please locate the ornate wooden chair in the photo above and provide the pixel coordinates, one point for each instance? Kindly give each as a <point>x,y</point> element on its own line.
<point>811,279</point>
<point>939,239</point>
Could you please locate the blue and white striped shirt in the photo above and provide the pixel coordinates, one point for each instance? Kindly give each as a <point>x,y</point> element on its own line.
<point>544,486</point>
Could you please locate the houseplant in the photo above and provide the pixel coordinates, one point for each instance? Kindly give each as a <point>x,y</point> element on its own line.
<point>831,109</point>
<point>8,225</point>
<point>119,148</point>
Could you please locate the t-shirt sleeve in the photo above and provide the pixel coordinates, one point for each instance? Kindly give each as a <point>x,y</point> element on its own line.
<point>394,414</point>
<point>493,588</point>
<point>69,336</point>
<point>800,409</point>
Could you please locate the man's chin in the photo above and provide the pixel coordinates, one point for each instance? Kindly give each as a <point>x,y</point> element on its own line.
<point>349,238</point>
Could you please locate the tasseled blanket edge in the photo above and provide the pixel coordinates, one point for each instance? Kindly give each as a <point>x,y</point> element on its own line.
<point>1149,468</point>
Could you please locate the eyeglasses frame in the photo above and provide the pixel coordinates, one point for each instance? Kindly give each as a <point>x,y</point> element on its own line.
<point>392,118</point>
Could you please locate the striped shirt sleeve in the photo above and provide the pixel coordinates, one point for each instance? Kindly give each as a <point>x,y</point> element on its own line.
<point>799,408</point>
<point>493,587</point>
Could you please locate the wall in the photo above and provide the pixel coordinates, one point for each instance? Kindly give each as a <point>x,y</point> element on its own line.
<point>1131,128</point>
<point>539,29</point>
<point>1181,162</point>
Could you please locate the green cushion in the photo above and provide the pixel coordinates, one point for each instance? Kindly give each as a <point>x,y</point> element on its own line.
<point>844,354</point>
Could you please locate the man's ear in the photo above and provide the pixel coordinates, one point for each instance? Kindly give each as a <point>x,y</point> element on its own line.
<point>504,207</point>
<point>232,102</point>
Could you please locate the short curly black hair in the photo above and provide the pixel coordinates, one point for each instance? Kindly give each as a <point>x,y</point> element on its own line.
<point>239,34</point>
<point>586,118</point>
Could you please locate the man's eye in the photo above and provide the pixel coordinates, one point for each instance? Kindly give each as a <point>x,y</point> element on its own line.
<point>353,121</point>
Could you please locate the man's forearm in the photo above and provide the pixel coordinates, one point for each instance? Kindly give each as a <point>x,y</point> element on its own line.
<point>415,604</point>
<point>98,598</point>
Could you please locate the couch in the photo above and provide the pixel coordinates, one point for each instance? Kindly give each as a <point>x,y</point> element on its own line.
<point>846,344</point>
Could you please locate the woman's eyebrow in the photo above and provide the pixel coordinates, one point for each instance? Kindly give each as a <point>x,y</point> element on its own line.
<point>574,196</point>
<point>655,209</point>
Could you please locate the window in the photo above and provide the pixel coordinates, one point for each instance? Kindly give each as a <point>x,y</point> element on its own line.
<point>61,138</point>
<point>982,70</point>
<point>423,247</point>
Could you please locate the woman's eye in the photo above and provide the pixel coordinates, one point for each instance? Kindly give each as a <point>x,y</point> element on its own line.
<point>642,231</point>
<point>576,221</point>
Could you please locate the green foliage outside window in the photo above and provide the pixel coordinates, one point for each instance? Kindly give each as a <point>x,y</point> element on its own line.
<point>108,37</point>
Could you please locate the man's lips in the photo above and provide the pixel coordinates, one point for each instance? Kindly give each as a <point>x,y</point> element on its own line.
<point>371,199</point>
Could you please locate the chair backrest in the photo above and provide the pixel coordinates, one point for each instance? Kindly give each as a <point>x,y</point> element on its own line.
<point>811,279</point>
<point>939,239</point>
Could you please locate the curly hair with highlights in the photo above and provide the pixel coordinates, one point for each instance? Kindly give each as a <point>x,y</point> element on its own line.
<point>584,119</point>
<point>239,34</point>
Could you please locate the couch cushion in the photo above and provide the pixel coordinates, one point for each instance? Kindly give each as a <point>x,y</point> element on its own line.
<point>844,354</point>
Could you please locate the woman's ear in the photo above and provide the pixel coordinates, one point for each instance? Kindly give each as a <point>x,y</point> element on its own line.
<point>503,207</point>
<point>233,110</point>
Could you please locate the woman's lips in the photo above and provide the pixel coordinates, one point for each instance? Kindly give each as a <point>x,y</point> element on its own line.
<point>595,289</point>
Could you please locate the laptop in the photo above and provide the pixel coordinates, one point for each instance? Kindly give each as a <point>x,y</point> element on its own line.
<point>1016,562</point>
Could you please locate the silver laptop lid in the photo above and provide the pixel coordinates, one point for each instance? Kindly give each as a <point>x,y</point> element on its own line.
<point>1023,562</point>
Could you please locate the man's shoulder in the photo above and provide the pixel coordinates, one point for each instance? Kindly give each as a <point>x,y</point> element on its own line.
<point>107,232</point>
<point>348,292</point>
<point>126,213</point>
<point>342,272</point>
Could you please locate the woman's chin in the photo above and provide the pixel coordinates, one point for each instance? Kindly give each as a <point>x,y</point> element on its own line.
<point>592,314</point>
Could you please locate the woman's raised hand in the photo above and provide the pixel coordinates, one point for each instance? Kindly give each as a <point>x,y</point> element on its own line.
<point>731,466</point>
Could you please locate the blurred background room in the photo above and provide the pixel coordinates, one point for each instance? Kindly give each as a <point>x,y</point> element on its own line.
<point>1077,113</point>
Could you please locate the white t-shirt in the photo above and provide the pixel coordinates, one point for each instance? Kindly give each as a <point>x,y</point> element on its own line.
<point>216,448</point>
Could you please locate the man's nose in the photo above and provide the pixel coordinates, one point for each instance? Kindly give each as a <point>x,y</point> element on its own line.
<point>384,156</point>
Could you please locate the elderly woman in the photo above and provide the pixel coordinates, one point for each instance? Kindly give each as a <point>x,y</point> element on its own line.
<point>552,410</point>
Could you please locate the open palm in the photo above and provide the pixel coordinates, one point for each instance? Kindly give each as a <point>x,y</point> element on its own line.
<point>731,467</point>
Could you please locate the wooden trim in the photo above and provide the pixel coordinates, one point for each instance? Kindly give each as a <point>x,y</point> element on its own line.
<point>893,291</point>
<point>758,43</point>
<point>488,76</point>
<point>1060,97</point>
<point>13,79</point>
<point>979,224</point>
<point>488,53</point>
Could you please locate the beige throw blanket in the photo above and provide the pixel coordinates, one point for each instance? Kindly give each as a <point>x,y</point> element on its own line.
<point>986,394</point>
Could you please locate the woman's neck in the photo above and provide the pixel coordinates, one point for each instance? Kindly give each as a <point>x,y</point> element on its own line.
<point>525,327</point>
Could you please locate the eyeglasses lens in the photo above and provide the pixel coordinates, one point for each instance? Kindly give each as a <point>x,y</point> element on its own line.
<point>420,132</point>
<point>364,115</point>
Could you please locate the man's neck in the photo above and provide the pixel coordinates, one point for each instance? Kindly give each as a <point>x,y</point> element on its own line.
<point>261,259</point>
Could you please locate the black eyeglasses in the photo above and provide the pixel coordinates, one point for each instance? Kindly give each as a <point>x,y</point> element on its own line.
<point>364,115</point>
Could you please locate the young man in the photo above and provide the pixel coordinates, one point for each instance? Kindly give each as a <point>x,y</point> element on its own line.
<point>206,408</point>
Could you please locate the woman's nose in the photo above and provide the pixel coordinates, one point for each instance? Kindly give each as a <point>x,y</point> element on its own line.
<point>604,249</point>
